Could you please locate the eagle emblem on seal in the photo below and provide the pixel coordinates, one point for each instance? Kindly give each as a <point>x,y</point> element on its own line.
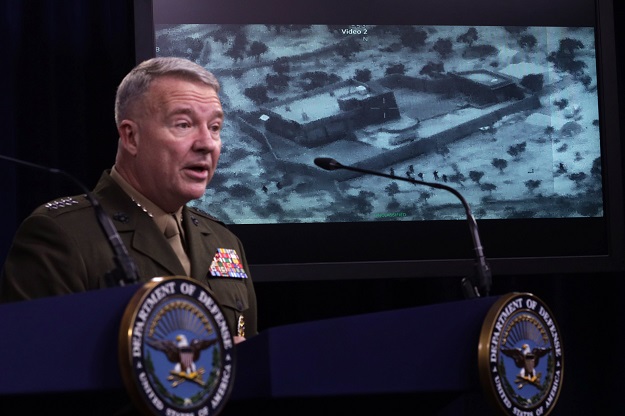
<point>183,354</point>
<point>526,360</point>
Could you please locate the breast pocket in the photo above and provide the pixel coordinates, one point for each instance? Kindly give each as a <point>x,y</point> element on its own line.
<point>230,292</point>
<point>232,296</point>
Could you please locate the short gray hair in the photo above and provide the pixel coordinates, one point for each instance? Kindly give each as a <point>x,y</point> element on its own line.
<point>137,82</point>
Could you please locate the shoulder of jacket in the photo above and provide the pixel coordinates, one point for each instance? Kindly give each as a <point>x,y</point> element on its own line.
<point>197,212</point>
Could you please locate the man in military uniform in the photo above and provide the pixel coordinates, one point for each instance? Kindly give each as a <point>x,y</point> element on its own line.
<point>169,118</point>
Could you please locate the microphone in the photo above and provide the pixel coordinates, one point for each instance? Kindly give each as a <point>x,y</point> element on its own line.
<point>328,163</point>
<point>126,270</point>
<point>474,285</point>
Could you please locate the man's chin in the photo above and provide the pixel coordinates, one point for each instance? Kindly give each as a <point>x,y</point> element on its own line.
<point>195,193</point>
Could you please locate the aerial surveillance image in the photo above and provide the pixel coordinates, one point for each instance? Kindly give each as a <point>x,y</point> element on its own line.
<point>506,115</point>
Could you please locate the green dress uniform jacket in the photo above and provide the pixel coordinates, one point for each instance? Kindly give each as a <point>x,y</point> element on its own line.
<point>60,249</point>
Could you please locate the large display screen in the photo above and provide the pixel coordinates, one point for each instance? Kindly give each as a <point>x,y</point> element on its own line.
<point>508,115</point>
<point>506,106</point>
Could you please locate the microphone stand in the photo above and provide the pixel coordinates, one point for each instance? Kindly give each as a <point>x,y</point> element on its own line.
<point>475,285</point>
<point>126,270</point>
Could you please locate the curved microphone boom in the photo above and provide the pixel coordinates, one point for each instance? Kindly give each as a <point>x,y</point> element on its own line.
<point>124,262</point>
<point>475,285</point>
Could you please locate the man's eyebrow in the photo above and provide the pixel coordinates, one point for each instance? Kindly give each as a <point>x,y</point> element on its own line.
<point>189,111</point>
<point>181,110</point>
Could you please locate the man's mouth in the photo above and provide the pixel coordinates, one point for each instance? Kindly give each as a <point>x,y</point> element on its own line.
<point>199,171</point>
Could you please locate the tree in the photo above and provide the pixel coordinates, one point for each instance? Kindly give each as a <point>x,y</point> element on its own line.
<point>257,49</point>
<point>237,50</point>
<point>277,28</point>
<point>395,69</point>
<point>568,46</point>
<point>412,38</point>
<point>586,80</point>
<point>424,196</point>
<point>281,65</point>
<point>432,69</point>
<point>480,51</point>
<point>590,209</point>
<point>533,82</point>
<point>443,47</point>
<point>596,168</point>
<point>458,178</point>
<point>258,94</point>
<point>349,48</point>
<point>363,75</point>
<point>443,151</point>
<point>488,187</point>
<point>362,202</point>
<point>277,82</point>
<point>532,184</point>
<point>476,176</point>
<point>500,164</point>
<point>220,36</point>
<point>564,57</point>
<point>317,79</point>
<point>527,42</point>
<point>469,37</point>
<point>515,30</point>
<point>241,191</point>
<point>577,178</point>
<point>561,104</point>
<point>298,28</point>
<point>516,150</point>
<point>393,205</point>
<point>392,189</point>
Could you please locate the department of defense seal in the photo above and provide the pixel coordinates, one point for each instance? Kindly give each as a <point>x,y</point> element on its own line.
<point>176,352</point>
<point>520,356</point>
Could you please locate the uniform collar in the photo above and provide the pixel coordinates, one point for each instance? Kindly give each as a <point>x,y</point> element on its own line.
<point>159,216</point>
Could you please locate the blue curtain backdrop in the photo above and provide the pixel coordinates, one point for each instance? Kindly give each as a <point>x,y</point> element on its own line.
<point>62,62</point>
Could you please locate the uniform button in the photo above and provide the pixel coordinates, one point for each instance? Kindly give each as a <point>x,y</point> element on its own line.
<point>121,217</point>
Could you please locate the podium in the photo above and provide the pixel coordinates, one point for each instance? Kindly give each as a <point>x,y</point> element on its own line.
<point>62,352</point>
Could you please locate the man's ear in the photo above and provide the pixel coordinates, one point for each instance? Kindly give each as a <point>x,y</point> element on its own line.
<point>129,136</point>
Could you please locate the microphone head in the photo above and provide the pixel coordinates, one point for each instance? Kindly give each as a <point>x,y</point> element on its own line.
<point>327,163</point>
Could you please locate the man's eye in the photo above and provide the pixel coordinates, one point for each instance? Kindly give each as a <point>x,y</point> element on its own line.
<point>183,125</point>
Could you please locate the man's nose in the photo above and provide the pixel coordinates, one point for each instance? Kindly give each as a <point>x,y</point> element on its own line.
<point>206,140</point>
